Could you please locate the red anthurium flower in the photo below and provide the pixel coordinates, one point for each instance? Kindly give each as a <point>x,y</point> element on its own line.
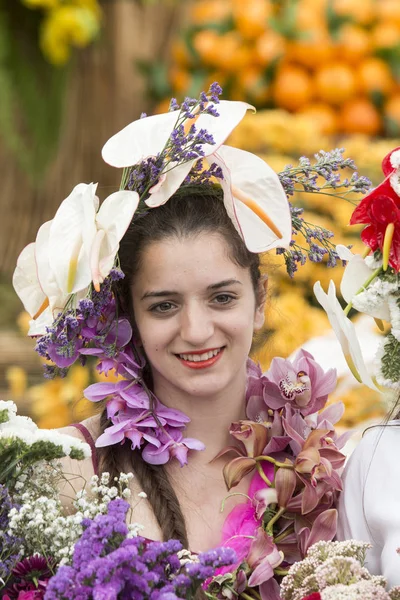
<point>381,208</point>
<point>313,596</point>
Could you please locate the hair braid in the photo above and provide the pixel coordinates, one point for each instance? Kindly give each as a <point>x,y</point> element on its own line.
<point>154,482</point>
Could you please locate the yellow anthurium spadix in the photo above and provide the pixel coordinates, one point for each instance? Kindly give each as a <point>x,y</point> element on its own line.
<point>254,199</point>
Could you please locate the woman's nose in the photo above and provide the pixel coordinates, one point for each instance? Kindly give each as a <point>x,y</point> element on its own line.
<point>197,325</point>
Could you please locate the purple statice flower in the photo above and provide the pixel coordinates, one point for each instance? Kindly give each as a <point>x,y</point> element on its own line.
<point>91,328</point>
<point>108,565</point>
<point>200,176</point>
<point>321,176</point>
<point>10,546</point>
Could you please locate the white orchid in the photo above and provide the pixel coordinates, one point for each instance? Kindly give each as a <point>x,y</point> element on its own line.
<point>74,249</point>
<point>345,332</point>
<point>254,199</point>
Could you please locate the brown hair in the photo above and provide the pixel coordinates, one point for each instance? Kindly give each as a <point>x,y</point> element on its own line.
<point>190,211</point>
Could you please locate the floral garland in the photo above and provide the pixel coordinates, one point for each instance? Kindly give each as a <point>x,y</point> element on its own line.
<point>65,279</point>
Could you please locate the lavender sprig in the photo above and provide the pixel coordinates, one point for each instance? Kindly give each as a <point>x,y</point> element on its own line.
<point>182,146</point>
<point>306,177</point>
<point>327,166</point>
<point>10,546</point>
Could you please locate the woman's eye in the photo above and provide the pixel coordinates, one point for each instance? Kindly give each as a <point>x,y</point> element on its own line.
<point>163,307</point>
<point>223,299</point>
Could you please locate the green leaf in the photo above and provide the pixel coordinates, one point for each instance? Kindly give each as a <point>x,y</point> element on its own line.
<point>390,361</point>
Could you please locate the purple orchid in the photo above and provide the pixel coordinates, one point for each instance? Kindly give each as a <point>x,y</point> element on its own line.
<point>172,444</point>
<point>301,383</point>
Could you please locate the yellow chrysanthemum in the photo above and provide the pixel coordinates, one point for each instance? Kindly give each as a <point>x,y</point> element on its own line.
<point>17,382</point>
<point>65,27</point>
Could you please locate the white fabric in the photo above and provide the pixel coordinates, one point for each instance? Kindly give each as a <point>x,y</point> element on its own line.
<point>369,507</point>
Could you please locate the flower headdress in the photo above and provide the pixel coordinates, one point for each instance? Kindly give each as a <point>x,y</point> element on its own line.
<point>371,281</point>
<point>65,278</point>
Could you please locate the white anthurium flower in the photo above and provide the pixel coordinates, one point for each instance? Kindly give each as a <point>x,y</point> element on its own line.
<point>26,282</point>
<point>83,240</point>
<point>35,284</point>
<point>254,199</point>
<point>371,301</point>
<point>345,332</point>
<point>147,137</point>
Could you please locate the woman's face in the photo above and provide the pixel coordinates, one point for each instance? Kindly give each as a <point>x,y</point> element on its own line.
<point>196,312</point>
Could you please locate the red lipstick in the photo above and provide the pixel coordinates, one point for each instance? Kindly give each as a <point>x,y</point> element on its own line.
<point>201,364</point>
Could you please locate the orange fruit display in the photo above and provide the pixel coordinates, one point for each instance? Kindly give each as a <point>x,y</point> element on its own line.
<point>334,60</point>
<point>312,50</point>
<point>269,47</point>
<point>353,43</point>
<point>374,75</point>
<point>292,87</point>
<point>359,115</point>
<point>335,83</point>
<point>392,114</point>
<point>251,18</point>
<point>386,34</point>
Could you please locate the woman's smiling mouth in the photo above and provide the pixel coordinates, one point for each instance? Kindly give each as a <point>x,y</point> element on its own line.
<point>201,359</point>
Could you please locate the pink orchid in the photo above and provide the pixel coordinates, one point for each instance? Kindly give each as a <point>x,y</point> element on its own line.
<point>263,558</point>
<point>323,529</point>
<point>301,383</point>
<point>241,524</point>
<point>172,444</point>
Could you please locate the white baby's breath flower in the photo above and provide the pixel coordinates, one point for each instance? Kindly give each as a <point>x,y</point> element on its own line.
<point>8,410</point>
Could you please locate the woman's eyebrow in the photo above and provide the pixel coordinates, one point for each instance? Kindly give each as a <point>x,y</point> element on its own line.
<point>221,284</point>
<point>213,286</point>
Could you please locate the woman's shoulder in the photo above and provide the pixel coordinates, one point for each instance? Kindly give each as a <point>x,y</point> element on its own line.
<point>77,473</point>
<point>378,448</point>
<point>84,429</point>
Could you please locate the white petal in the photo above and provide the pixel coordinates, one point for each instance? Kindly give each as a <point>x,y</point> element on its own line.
<point>26,282</point>
<point>344,330</point>
<point>38,326</point>
<point>114,216</point>
<point>57,298</point>
<point>71,236</point>
<point>171,183</point>
<point>259,182</point>
<point>147,137</point>
<point>354,277</point>
<point>138,140</point>
<point>231,112</point>
<point>116,212</point>
<point>344,252</point>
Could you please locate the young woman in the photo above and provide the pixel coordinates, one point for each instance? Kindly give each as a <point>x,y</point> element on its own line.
<point>195,297</point>
<point>368,506</point>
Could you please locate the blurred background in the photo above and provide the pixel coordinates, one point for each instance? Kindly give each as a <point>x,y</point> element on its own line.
<point>322,74</point>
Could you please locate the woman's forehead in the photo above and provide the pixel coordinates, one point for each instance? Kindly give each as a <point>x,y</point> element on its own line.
<point>187,263</point>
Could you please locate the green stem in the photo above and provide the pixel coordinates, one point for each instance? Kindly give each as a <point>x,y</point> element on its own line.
<point>274,462</point>
<point>281,571</point>
<point>326,194</point>
<point>271,522</point>
<point>362,288</point>
<point>263,475</point>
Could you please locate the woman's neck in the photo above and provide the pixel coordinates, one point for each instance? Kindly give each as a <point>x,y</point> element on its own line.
<point>210,416</point>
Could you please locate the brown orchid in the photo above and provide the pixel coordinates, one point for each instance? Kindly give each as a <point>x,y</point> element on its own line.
<point>253,438</point>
